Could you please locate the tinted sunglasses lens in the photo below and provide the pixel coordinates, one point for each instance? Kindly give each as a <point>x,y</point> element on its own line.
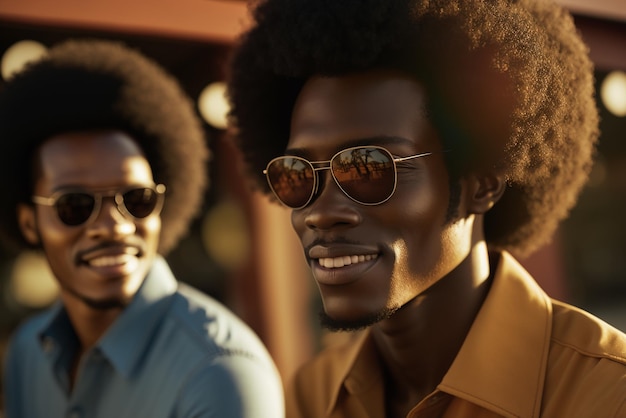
<point>75,208</point>
<point>140,203</point>
<point>292,179</point>
<point>365,174</point>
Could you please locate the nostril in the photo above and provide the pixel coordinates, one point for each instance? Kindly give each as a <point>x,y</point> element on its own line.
<point>316,225</point>
<point>331,212</point>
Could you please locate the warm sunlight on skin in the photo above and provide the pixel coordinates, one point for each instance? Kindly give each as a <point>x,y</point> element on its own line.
<point>456,233</point>
<point>413,242</point>
<point>97,160</point>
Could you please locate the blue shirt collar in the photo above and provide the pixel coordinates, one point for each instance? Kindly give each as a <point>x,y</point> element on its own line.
<point>128,338</point>
<point>125,343</point>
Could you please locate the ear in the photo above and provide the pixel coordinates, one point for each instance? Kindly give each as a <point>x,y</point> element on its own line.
<point>28,223</point>
<point>484,191</point>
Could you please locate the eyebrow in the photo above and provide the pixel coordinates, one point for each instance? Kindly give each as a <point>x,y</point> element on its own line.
<point>372,140</point>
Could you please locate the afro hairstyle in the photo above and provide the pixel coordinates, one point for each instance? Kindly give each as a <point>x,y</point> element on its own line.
<point>509,86</point>
<point>92,85</point>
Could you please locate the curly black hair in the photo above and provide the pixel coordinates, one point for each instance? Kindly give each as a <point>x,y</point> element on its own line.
<point>95,84</point>
<point>509,86</point>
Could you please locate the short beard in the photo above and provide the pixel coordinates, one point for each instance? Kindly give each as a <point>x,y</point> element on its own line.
<point>100,305</point>
<point>104,305</point>
<point>357,324</point>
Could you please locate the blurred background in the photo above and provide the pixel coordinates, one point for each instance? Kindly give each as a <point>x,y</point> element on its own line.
<point>241,249</point>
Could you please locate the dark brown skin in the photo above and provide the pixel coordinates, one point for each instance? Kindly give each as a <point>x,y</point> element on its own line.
<point>430,275</point>
<point>99,265</point>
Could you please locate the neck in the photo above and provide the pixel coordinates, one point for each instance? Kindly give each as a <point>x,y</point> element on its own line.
<point>89,323</point>
<point>420,341</point>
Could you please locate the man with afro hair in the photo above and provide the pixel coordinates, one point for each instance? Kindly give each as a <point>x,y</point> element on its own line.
<point>422,145</point>
<point>103,165</point>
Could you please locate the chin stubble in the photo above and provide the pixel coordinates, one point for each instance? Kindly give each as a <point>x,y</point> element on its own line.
<point>98,304</point>
<point>354,325</point>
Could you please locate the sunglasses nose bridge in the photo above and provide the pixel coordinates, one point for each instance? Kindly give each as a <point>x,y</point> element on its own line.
<point>324,183</point>
<point>320,179</point>
<point>103,202</point>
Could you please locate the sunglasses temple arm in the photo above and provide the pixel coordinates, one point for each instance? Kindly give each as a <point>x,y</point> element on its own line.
<point>410,157</point>
<point>40,200</point>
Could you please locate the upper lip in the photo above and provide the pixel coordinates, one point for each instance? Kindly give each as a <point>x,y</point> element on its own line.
<point>329,250</point>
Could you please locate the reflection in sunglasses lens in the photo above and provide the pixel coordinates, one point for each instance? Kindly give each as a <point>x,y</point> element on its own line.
<point>292,180</point>
<point>365,174</point>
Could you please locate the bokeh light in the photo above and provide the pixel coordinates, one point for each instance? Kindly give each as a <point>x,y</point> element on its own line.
<point>213,105</point>
<point>613,93</point>
<point>19,54</point>
<point>32,284</point>
<point>225,235</point>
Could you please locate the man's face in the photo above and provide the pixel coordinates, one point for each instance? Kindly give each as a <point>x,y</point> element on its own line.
<point>406,243</point>
<point>103,262</point>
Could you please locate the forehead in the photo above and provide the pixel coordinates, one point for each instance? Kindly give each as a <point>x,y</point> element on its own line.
<point>341,111</point>
<point>91,159</point>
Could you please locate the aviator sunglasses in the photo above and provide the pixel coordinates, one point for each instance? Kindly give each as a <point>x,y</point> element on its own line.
<point>77,207</point>
<point>366,174</point>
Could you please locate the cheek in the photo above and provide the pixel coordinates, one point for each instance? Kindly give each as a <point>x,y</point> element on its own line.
<point>419,217</point>
<point>433,250</point>
<point>55,236</point>
<point>59,245</point>
<point>150,229</point>
<point>418,206</point>
<point>297,222</point>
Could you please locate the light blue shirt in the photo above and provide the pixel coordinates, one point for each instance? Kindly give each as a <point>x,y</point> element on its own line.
<point>174,352</point>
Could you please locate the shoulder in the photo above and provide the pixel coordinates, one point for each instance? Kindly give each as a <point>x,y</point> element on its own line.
<point>233,386</point>
<point>26,334</point>
<point>586,334</point>
<point>223,366</point>
<point>23,356</point>
<point>210,325</point>
<point>586,365</point>
<point>237,376</point>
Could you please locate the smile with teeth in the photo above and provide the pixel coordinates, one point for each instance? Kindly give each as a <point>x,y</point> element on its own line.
<point>111,260</point>
<point>346,260</point>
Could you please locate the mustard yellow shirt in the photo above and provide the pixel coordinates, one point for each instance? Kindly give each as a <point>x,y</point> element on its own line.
<point>525,356</point>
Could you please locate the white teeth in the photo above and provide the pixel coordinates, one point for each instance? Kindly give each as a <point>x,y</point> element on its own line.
<point>347,260</point>
<point>106,261</point>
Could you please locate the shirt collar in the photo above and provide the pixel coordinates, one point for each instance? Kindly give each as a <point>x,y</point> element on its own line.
<point>127,340</point>
<point>55,324</point>
<point>502,363</point>
<point>360,370</point>
<point>125,343</point>
<point>58,341</point>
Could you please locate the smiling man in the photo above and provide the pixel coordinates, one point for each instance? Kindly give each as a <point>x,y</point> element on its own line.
<point>104,165</point>
<point>419,145</point>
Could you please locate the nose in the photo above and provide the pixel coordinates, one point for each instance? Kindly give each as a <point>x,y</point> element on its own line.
<point>330,208</point>
<point>110,222</point>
